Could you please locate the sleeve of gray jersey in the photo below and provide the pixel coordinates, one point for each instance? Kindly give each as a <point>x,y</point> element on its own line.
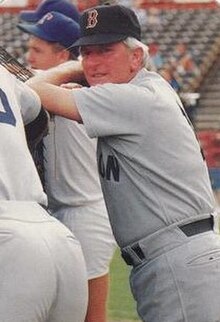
<point>29,101</point>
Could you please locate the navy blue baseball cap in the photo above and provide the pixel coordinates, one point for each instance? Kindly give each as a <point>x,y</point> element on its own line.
<point>107,24</point>
<point>63,6</point>
<point>54,27</point>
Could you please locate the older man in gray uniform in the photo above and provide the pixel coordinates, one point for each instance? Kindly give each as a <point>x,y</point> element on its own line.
<point>153,174</point>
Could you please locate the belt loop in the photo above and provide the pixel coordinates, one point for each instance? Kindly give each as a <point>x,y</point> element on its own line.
<point>138,251</point>
<point>133,254</point>
<point>126,257</point>
<point>216,222</point>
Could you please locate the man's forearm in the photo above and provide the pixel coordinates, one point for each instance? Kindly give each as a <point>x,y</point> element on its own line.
<point>54,98</point>
<point>70,71</point>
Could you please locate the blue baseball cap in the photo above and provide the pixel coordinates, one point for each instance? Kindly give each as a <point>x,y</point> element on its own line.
<point>54,27</point>
<point>62,6</point>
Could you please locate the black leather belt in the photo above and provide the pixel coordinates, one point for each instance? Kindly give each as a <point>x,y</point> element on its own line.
<point>197,227</point>
<point>193,228</point>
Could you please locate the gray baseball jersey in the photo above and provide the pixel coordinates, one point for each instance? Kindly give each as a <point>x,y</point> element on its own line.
<point>70,165</point>
<point>151,168</point>
<point>18,105</point>
<point>74,191</point>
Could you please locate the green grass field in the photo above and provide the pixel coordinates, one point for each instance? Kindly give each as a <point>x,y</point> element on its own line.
<point>121,305</point>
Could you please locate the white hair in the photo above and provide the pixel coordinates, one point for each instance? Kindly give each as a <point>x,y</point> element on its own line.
<point>133,43</point>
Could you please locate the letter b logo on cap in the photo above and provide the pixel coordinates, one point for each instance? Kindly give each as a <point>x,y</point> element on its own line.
<point>92,19</point>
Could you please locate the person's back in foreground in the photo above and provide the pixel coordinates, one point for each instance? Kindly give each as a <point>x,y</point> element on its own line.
<point>153,174</point>
<point>71,178</point>
<point>41,262</point>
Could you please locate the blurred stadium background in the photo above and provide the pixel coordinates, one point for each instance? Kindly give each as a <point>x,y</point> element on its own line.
<point>184,43</point>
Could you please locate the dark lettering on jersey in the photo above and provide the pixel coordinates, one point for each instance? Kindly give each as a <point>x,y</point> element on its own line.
<point>111,169</point>
<point>101,166</point>
<point>7,116</point>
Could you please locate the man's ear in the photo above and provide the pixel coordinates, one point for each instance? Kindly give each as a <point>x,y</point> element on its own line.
<point>137,58</point>
<point>64,56</point>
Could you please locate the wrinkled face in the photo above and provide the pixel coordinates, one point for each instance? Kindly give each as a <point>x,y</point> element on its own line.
<point>42,54</point>
<point>111,63</point>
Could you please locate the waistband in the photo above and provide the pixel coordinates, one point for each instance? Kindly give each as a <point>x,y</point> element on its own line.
<point>166,239</point>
